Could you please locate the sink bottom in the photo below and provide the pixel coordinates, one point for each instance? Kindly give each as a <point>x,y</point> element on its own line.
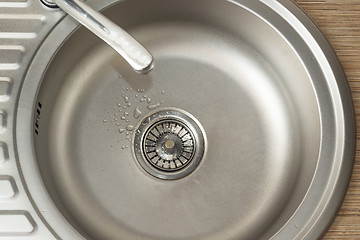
<point>254,138</point>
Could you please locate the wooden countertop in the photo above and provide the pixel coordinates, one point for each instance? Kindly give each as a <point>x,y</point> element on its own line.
<point>339,20</point>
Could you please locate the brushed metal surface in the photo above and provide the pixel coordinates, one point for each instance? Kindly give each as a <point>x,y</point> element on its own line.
<point>339,21</point>
<point>273,115</point>
<point>23,26</point>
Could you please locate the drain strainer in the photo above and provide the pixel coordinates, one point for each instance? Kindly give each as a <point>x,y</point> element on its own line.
<point>169,144</point>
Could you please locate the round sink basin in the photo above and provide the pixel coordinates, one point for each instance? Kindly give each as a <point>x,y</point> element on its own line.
<point>243,130</point>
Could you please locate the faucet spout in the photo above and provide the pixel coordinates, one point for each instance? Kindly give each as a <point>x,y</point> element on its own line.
<point>131,50</point>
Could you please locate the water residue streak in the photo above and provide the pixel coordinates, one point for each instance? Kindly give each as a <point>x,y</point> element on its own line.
<point>130,127</point>
<point>137,103</point>
<point>154,106</point>
<point>137,113</point>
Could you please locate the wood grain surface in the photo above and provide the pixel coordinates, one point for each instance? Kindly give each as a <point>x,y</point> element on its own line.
<point>339,20</point>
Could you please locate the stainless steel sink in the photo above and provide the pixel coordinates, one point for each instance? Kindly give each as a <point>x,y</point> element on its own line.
<point>243,130</point>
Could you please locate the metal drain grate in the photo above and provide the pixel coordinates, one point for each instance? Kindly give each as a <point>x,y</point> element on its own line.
<point>169,144</point>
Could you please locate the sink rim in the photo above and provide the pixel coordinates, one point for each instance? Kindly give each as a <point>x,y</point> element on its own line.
<point>323,51</point>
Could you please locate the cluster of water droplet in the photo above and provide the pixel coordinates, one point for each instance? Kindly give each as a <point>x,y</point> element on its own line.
<point>129,106</point>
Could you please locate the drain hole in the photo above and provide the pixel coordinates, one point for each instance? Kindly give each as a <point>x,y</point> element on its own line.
<point>169,144</point>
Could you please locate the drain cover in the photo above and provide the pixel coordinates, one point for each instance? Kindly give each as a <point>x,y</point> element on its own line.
<point>169,144</point>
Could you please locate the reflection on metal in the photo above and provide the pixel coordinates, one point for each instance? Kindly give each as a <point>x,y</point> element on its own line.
<point>131,50</point>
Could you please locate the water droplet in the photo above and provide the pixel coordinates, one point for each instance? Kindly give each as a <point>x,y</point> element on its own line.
<point>126,146</point>
<point>115,114</point>
<point>109,129</point>
<point>152,107</point>
<point>126,114</point>
<point>148,100</point>
<point>118,124</point>
<point>145,96</point>
<point>131,89</point>
<point>136,95</point>
<point>123,147</point>
<point>105,120</point>
<point>137,113</point>
<point>123,118</point>
<point>130,127</point>
<point>129,104</point>
<point>127,120</point>
<point>124,107</point>
<point>139,90</point>
<point>119,105</point>
<point>142,100</point>
<point>120,76</point>
<point>127,133</point>
<point>121,130</point>
<point>126,99</point>
<point>115,119</point>
<point>162,92</point>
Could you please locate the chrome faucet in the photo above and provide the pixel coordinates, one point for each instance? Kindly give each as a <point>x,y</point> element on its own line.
<point>131,50</point>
